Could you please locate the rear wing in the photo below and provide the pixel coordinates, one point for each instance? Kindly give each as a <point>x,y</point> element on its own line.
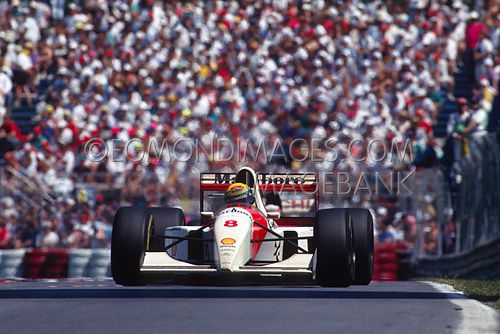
<point>278,182</point>
<point>298,210</point>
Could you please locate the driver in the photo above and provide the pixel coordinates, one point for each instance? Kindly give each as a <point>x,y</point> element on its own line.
<point>239,193</point>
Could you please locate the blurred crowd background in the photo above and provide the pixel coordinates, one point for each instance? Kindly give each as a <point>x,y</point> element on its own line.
<point>259,71</point>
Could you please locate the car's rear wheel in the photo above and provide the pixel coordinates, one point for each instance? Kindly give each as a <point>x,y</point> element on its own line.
<point>128,245</point>
<point>163,218</point>
<point>334,240</point>
<point>362,221</point>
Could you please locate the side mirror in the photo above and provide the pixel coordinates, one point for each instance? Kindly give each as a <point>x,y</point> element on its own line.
<point>207,215</point>
<point>273,215</point>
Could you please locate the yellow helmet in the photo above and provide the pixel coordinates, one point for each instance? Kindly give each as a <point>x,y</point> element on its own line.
<point>239,192</point>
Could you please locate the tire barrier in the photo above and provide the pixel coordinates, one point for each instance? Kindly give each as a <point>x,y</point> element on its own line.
<point>78,262</point>
<point>385,262</point>
<point>45,263</point>
<point>100,263</point>
<point>389,260</point>
<point>11,263</point>
<point>34,261</point>
<point>406,265</point>
<point>56,265</point>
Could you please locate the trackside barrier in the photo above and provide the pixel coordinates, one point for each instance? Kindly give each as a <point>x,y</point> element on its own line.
<point>78,262</point>
<point>385,262</point>
<point>463,199</point>
<point>45,263</point>
<point>406,265</point>
<point>56,265</point>
<point>389,261</point>
<point>100,263</point>
<point>33,263</point>
<point>461,196</point>
<point>11,263</point>
<point>93,263</point>
<point>482,262</point>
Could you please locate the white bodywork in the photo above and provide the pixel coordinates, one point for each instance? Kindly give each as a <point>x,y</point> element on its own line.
<point>229,253</point>
<point>227,245</point>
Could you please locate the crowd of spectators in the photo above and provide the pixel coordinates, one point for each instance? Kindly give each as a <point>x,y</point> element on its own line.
<point>261,71</point>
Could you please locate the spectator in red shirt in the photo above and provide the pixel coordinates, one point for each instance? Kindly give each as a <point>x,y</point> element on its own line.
<point>4,233</point>
<point>473,31</point>
<point>422,122</point>
<point>10,136</point>
<point>472,36</point>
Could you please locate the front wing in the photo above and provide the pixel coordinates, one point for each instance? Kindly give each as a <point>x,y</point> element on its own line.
<point>161,262</point>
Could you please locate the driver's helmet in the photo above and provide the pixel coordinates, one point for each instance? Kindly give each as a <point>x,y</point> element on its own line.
<point>239,192</point>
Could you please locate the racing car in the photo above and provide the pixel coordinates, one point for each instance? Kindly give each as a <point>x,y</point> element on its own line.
<point>256,224</point>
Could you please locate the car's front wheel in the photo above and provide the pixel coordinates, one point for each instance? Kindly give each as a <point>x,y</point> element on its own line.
<point>131,227</point>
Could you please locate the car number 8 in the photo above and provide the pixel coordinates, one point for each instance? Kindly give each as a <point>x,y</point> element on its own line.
<point>231,223</point>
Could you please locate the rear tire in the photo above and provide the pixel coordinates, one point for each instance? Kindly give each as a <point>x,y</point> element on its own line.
<point>335,257</point>
<point>128,245</point>
<point>362,221</point>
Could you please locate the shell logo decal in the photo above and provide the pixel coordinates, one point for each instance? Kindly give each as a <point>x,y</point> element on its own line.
<point>227,241</point>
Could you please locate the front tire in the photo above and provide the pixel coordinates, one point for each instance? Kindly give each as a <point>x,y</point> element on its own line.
<point>334,240</point>
<point>128,245</point>
<point>362,221</point>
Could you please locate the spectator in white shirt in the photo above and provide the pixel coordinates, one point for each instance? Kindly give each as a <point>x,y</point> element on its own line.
<point>5,89</point>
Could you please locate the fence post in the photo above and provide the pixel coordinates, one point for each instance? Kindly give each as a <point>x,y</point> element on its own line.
<point>417,208</point>
<point>2,176</point>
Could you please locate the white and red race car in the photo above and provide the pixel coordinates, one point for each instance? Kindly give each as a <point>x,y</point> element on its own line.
<point>284,235</point>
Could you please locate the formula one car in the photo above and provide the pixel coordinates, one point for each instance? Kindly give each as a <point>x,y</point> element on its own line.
<point>253,224</point>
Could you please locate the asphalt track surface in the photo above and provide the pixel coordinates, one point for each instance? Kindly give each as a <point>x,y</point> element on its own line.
<point>103,307</point>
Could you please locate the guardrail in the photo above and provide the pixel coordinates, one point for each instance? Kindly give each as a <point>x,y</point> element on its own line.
<point>482,262</point>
